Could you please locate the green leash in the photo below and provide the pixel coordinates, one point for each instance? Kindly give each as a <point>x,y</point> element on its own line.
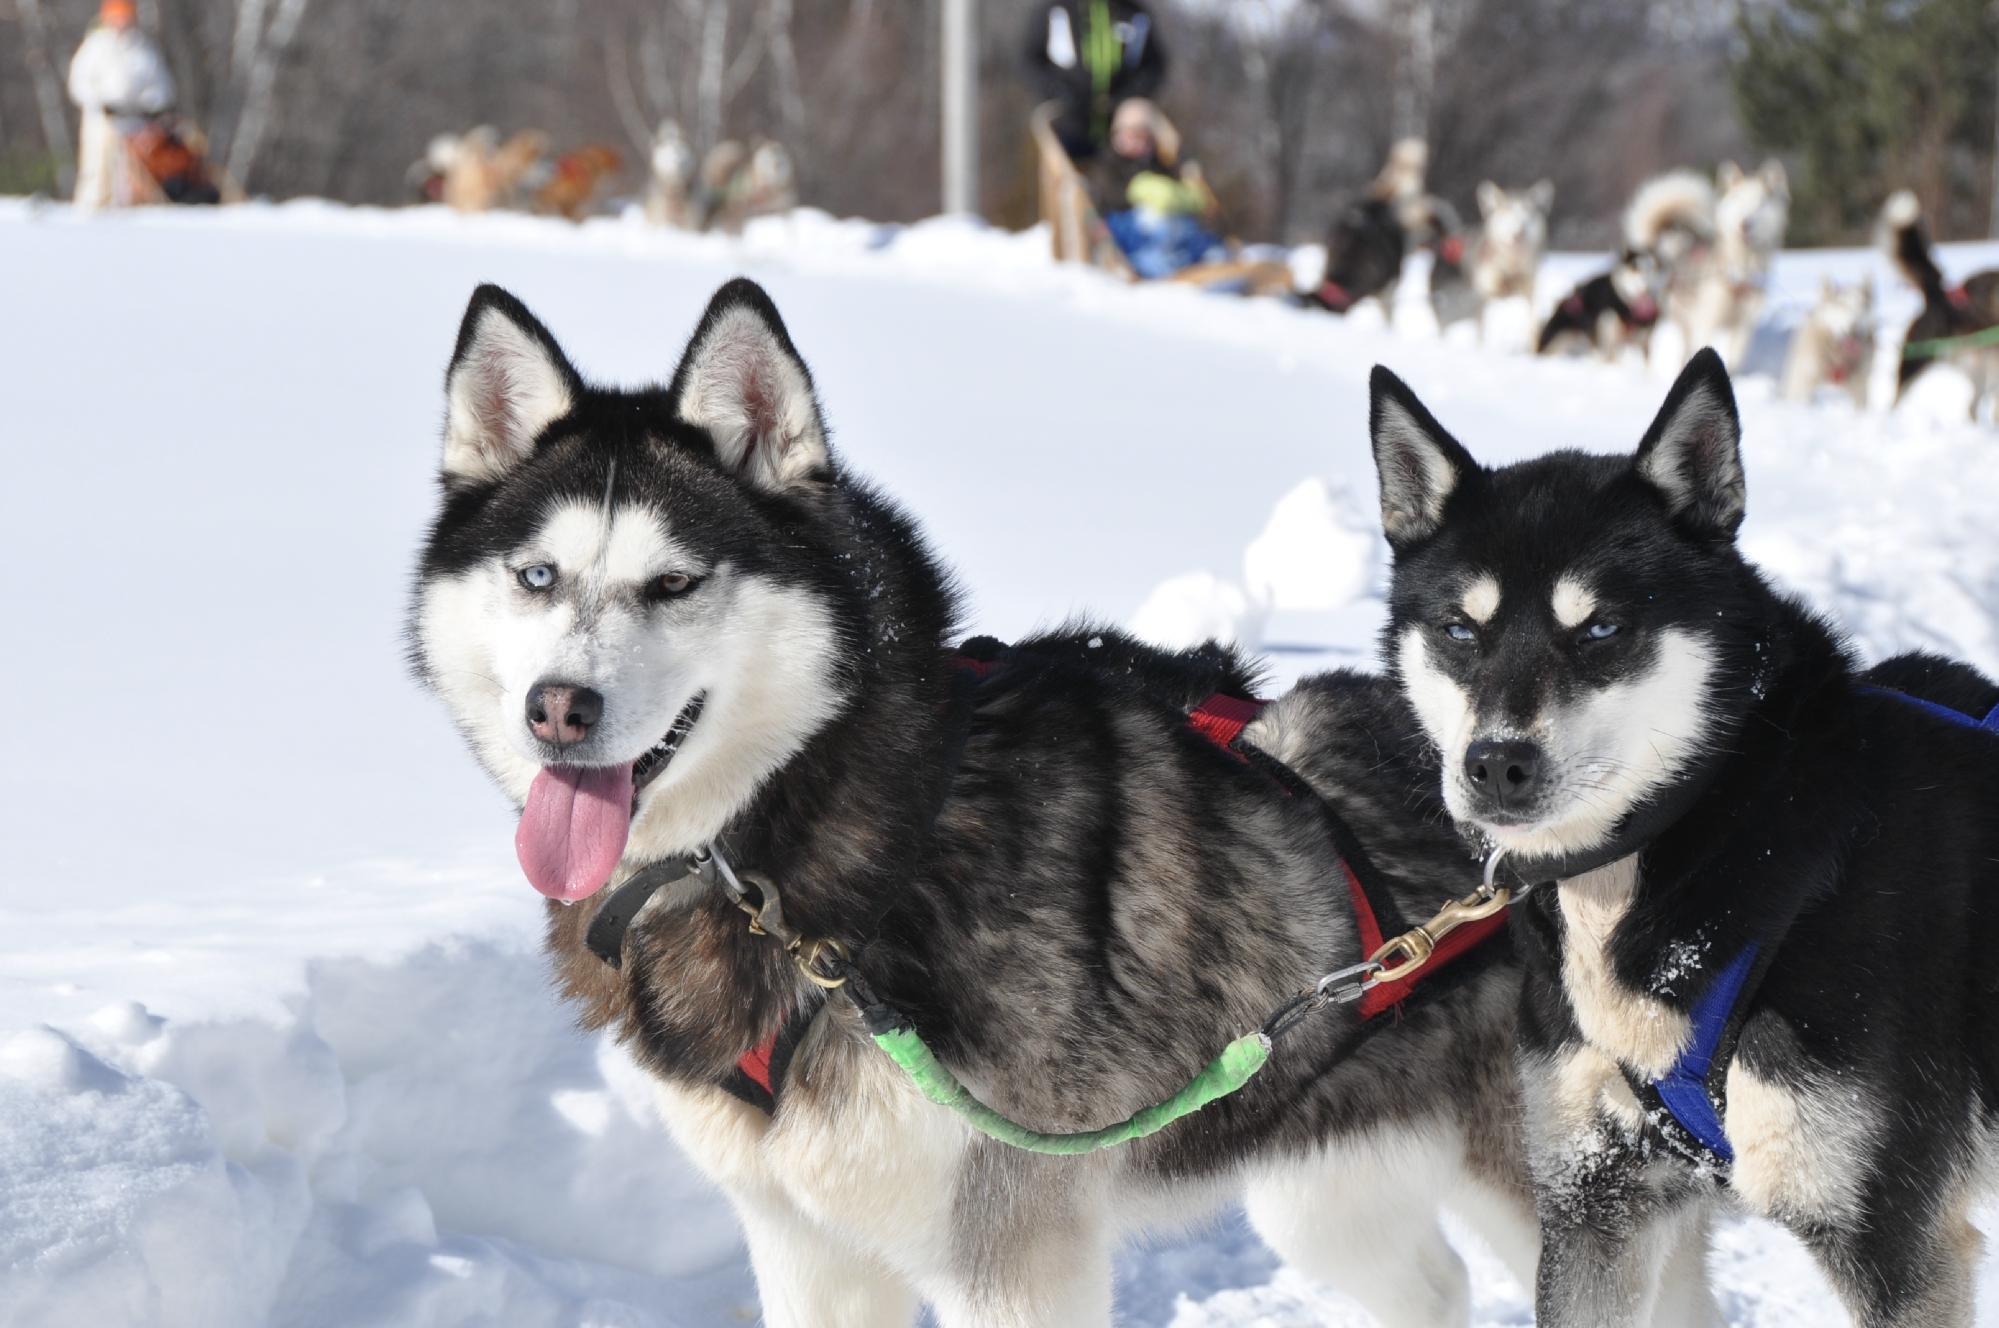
<point>1223,1075</point>
<point>1924,350</point>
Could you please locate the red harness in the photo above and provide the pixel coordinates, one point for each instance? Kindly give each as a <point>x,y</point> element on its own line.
<point>1220,719</point>
<point>1336,296</point>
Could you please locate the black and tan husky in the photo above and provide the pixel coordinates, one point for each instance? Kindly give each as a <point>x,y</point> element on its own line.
<point>1763,972</point>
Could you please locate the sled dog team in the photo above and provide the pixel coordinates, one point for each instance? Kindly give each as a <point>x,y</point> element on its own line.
<point>955,962</point>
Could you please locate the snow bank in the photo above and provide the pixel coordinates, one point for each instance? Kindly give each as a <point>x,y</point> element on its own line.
<point>424,1142</point>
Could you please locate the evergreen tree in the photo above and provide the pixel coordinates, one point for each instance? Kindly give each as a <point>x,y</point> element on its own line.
<point>1867,96</point>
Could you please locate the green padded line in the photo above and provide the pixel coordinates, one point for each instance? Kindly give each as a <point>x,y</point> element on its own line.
<point>1223,1075</point>
<point>1923,350</point>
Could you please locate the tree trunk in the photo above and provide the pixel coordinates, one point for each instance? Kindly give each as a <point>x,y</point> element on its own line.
<point>257,97</point>
<point>784,68</point>
<point>708,85</point>
<point>48,92</point>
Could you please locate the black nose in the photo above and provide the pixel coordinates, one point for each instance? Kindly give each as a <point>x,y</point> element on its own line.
<point>562,714</point>
<point>1506,772</point>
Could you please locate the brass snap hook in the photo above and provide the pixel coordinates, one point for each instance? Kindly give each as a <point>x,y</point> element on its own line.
<point>1419,943</point>
<point>807,954</point>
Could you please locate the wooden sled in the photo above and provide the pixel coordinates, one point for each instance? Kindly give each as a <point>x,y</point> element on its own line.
<point>1077,233</point>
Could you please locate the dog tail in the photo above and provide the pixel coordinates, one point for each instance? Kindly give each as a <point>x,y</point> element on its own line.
<point>1907,243</point>
<point>1676,201</point>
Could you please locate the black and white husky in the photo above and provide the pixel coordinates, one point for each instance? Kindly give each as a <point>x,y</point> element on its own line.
<point>669,622</point>
<point>1764,973</point>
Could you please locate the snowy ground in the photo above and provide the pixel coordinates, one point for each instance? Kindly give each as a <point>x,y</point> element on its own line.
<point>275,1045</point>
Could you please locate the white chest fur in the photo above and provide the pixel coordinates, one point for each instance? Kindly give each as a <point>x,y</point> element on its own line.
<point>1638,1029</point>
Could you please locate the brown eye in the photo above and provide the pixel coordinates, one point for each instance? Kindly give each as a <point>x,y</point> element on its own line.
<point>668,585</point>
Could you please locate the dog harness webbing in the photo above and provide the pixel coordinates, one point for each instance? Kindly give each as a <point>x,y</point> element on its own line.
<point>1335,296</point>
<point>1684,1090</point>
<point>1990,723</point>
<point>759,1074</point>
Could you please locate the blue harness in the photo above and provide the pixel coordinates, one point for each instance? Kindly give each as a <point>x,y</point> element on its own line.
<point>1683,1090</point>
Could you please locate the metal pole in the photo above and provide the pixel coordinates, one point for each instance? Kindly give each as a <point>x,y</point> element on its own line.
<point>961,107</point>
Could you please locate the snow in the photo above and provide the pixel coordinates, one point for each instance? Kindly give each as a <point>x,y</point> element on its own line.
<point>276,1045</point>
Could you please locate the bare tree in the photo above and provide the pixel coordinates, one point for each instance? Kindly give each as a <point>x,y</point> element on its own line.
<point>42,67</point>
<point>260,46</point>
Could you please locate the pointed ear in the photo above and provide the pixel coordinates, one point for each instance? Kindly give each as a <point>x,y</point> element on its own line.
<point>743,382</point>
<point>1727,176</point>
<point>1490,196</point>
<point>1543,194</point>
<point>1420,465</point>
<point>1692,453</point>
<point>508,382</point>
<point>1775,178</point>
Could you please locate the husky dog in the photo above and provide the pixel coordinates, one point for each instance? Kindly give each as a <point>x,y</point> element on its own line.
<point>1371,234</point>
<point>1950,313</point>
<point>573,180</point>
<point>1763,971</point>
<point>669,195</point>
<point>1714,244</point>
<point>741,182</point>
<point>482,174</point>
<point>1500,260</point>
<point>1610,311</point>
<point>1834,345</point>
<point>669,621</point>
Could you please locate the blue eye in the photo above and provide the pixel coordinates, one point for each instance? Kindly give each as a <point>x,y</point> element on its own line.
<point>537,576</point>
<point>1600,631</point>
<point>1458,631</point>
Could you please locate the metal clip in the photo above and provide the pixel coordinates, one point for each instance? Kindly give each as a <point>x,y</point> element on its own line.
<point>1416,945</point>
<point>1344,985</point>
<point>807,953</point>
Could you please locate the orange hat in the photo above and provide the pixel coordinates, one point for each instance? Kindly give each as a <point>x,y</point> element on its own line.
<point>118,13</point>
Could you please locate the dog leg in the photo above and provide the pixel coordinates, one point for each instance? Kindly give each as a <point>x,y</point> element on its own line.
<point>1503,1220</point>
<point>806,1279</point>
<point>1610,1221</point>
<point>1684,1299</point>
<point>1904,1268</point>
<point>1363,1219</point>
<point>1030,1245</point>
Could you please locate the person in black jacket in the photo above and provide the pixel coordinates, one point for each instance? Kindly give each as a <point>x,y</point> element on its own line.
<point>1089,55</point>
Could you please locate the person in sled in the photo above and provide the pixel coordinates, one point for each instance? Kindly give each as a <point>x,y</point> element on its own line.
<point>1089,57</point>
<point>1157,210</point>
<point>121,84</point>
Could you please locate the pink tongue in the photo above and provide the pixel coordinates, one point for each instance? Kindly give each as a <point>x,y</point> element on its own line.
<point>573,829</point>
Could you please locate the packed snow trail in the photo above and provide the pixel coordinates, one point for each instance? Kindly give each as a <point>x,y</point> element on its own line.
<point>276,1045</point>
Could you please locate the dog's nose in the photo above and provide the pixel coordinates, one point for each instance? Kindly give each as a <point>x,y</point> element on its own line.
<point>562,714</point>
<point>1504,771</point>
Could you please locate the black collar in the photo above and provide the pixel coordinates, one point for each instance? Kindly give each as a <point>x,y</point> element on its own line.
<point>1639,828</point>
<point>606,937</point>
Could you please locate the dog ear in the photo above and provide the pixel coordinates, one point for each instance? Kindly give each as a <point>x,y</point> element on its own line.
<point>1420,465</point>
<point>742,381</point>
<point>1543,196</point>
<point>1692,454</point>
<point>1775,178</point>
<point>1727,176</point>
<point>508,382</point>
<point>1490,196</point>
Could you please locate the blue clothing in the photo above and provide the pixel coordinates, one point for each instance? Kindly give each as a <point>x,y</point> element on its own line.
<point>1158,244</point>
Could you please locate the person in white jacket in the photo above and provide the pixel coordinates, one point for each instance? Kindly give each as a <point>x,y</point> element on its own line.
<point>119,81</point>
